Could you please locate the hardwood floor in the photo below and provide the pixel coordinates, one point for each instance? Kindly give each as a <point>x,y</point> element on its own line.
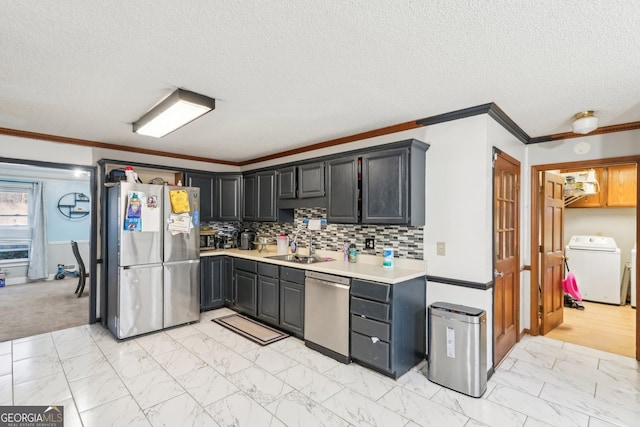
<point>604,327</point>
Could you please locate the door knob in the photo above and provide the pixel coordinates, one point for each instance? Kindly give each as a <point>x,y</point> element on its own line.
<point>497,273</point>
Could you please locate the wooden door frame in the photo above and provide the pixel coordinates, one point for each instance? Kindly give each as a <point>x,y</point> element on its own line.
<point>535,230</point>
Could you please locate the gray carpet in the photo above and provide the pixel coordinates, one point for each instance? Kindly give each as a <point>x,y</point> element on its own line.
<point>39,307</point>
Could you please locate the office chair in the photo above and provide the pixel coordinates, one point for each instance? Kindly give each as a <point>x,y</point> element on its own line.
<point>82,272</point>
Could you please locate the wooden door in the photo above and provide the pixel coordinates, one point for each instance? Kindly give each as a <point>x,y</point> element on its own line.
<point>552,252</point>
<point>506,285</point>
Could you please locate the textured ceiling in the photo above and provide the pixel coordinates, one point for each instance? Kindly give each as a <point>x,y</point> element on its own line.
<point>286,74</point>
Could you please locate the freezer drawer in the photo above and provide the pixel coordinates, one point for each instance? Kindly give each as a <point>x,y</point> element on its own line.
<point>139,301</point>
<point>181,292</point>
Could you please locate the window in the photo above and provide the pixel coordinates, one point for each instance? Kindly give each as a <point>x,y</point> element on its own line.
<point>14,208</point>
<point>15,232</point>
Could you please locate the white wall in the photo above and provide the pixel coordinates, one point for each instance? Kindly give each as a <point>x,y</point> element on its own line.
<point>457,200</point>
<point>604,146</point>
<point>44,151</point>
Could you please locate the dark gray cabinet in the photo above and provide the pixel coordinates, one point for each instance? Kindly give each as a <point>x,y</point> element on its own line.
<point>207,185</point>
<point>211,283</point>
<point>388,325</point>
<point>342,198</point>
<point>301,182</point>
<point>266,196</point>
<point>287,183</point>
<point>245,281</point>
<point>259,200</point>
<point>311,180</point>
<point>228,190</point>
<point>292,300</point>
<point>249,207</point>
<point>268,293</point>
<point>393,186</point>
<point>227,281</point>
<point>385,186</point>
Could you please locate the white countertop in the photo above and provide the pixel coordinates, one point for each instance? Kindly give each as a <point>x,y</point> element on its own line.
<point>368,267</point>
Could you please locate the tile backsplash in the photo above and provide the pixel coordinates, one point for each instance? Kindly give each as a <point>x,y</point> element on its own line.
<point>408,242</point>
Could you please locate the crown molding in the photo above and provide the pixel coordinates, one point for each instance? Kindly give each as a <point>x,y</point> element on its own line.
<point>96,144</point>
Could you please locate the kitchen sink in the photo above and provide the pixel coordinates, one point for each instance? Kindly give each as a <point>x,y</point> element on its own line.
<point>297,258</point>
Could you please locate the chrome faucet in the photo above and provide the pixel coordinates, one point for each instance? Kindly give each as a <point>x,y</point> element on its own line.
<point>312,250</point>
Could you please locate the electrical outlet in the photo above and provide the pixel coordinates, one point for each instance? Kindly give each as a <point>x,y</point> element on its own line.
<point>370,243</point>
<point>440,249</point>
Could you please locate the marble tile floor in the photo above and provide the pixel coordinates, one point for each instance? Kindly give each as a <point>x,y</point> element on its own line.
<point>204,375</point>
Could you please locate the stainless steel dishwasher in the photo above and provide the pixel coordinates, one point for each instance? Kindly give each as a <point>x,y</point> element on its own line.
<point>326,314</point>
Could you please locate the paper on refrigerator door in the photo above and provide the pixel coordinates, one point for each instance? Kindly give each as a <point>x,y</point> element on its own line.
<point>133,214</point>
<point>179,201</point>
<point>151,214</point>
<point>179,223</point>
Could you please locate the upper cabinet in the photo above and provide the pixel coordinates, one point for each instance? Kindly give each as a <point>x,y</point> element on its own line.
<point>386,186</point>
<point>228,190</point>
<point>302,181</point>
<point>617,188</point>
<point>259,201</point>
<point>287,183</point>
<point>249,212</point>
<point>621,186</point>
<point>266,196</point>
<point>342,200</point>
<point>311,180</point>
<point>206,183</point>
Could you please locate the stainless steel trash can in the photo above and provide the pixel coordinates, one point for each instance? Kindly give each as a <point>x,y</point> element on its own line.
<point>458,348</point>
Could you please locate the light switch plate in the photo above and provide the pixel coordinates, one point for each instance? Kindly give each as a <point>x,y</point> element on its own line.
<point>440,249</point>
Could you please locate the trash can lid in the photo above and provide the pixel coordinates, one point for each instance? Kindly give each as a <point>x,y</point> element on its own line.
<point>456,308</point>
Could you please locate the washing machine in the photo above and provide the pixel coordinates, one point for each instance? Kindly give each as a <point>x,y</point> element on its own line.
<point>595,261</point>
<point>633,276</point>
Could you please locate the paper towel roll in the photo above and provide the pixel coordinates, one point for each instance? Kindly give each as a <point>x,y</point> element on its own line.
<point>315,224</point>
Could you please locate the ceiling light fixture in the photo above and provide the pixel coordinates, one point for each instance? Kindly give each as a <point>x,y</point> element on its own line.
<point>173,112</point>
<point>584,123</point>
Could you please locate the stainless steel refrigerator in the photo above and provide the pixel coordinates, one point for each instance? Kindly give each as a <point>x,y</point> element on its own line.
<point>153,257</point>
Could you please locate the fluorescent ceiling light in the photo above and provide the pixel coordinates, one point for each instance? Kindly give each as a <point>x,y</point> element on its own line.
<point>173,112</point>
<point>584,123</point>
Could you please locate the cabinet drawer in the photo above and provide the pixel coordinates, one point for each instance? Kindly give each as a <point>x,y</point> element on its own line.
<point>246,265</point>
<point>270,270</point>
<point>294,275</point>
<point>371,328</point>
<point>371,309</point>
<point>363,348</point>
<point>371,290</point>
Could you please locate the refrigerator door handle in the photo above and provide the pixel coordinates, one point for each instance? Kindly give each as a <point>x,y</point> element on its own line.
<point>137,266</point>
<point>190,261</point>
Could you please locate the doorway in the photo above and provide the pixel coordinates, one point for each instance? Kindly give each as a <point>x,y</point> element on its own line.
<point>539,291</point>
<point>42,271</point>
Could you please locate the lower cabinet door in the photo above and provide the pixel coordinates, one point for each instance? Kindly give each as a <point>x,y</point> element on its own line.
<point>245,298</point>
<point>211,283</point>
<point>292,307</point>
<point>269,299</point>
